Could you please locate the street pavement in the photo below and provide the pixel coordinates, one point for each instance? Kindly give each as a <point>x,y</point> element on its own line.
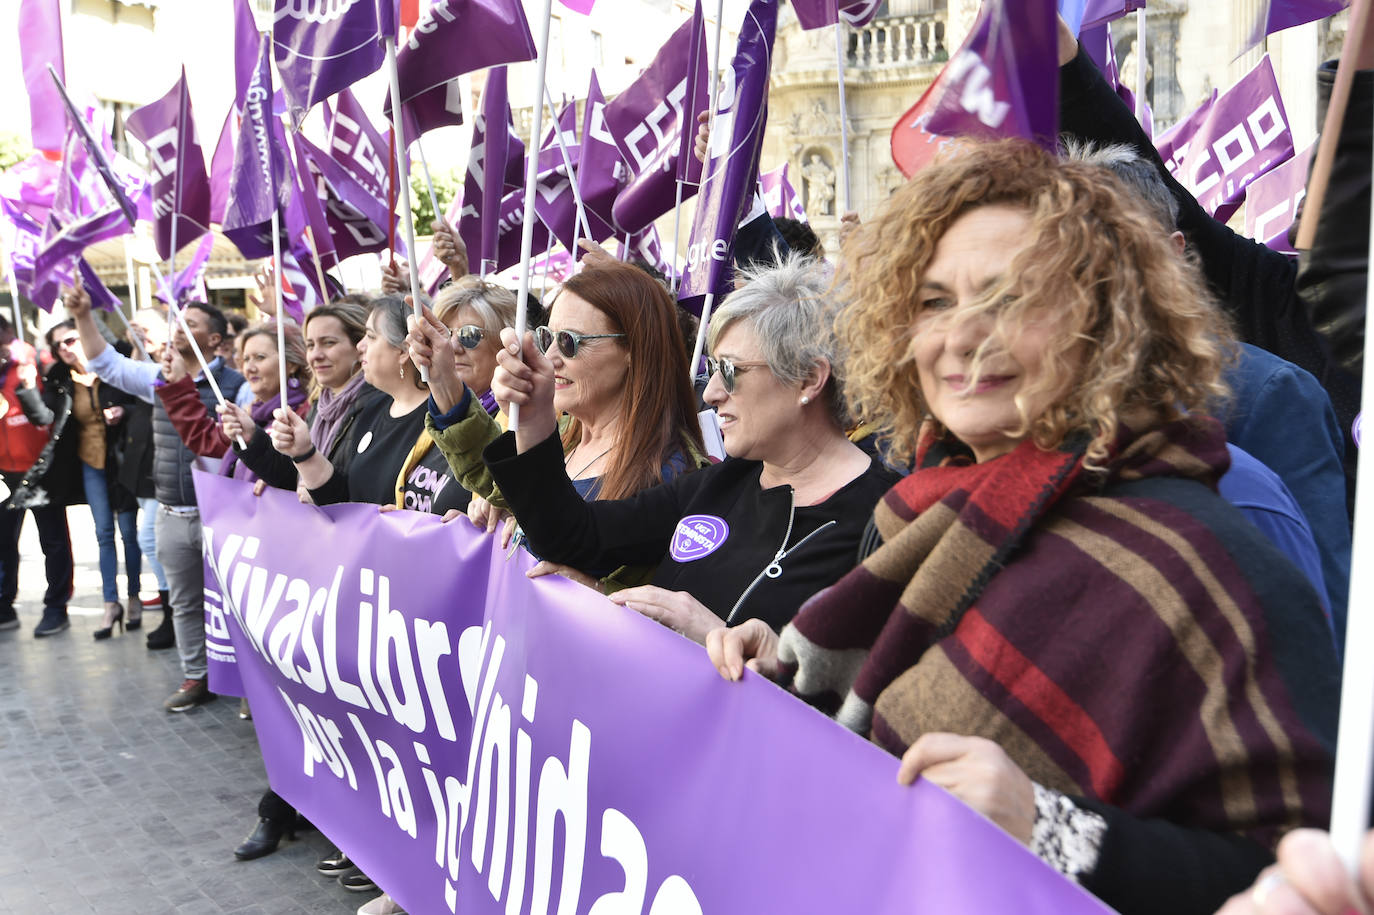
<point>110,804</point>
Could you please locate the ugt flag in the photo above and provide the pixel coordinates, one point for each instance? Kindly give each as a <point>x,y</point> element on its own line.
<point>1229,141</point>
<point>646,119</point>
<point>260,183</point>
<point>181,187</point>
<point>453,37</point>
<point>322,46</point>
<point>732,164</point>
<point>1003,82</point>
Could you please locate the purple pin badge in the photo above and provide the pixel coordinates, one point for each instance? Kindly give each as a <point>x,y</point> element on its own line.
<point>698,536</point>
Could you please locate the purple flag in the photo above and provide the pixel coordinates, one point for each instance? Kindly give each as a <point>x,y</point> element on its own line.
<point>815,14</point>
<point>779,196</point>
<point>357,218</point>
<point>510,217</point>
<point>1229,141</point>
<point>247,39</point>
<point>1272,202</point>
<point>453,37</point>
<point>221,167</point>
<point>188,284</point>
<point>699,99</point>
<point>645,120</point>
<point>308,210</point>
<point>1097,41</point>
<point>1101,12</point>
<point>300,291</point>
<point>1277,15</point>
<point>323,46</point>
<point>555,204</point>
<point>601,173</point>
<point>732,169</point>
<point>480,742</point>
<point>495,162</point>
<point>101,296</point>
<point>645,246</point>
<point>40,44</point>
<point>357,145</point>
<point>181,188</point>
<point>259,183</point>
<point>30,187</point>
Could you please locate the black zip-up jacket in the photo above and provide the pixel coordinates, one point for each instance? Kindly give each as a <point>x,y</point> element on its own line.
<point>279,471</point>
<point>745,552</point>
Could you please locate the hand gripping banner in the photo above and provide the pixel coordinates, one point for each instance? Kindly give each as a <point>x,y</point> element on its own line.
<point>484,743</point>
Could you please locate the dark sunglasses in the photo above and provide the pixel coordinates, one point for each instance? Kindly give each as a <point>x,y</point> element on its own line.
<point>469,336</point>
<point>68,341</point>
<point>728,370</point>
<point>569,341</point>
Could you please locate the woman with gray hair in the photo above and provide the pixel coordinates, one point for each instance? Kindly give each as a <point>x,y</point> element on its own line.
<point>749,538</point>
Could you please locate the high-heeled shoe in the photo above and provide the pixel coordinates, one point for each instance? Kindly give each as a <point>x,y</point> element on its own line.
<point>114,616</point>
<point>133,618</point>
<point>265,838</point>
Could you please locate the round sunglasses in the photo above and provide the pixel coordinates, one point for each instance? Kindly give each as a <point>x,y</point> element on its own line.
<point>728,370</point>
<point>569,341</point>
<point>469,336</point>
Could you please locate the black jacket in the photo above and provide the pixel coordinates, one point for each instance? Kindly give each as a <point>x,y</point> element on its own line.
<point>743,551</point>
<point>63,480</point>
<point>278,470</point>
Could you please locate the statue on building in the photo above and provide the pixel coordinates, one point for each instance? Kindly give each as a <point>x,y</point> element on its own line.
<point>820,187</point>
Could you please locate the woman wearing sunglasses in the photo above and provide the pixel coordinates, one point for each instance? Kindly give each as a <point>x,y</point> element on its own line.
<point>749,538</point>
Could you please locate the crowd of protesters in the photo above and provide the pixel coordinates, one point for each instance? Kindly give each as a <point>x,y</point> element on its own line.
<point>1041,486</point>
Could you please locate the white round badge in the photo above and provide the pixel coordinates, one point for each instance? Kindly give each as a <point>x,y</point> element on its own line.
<point>364,442</point>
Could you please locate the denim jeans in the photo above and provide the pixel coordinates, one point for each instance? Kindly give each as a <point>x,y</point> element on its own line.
<point>147,540</point>
<point>98,498</point>
<point>53,537</point>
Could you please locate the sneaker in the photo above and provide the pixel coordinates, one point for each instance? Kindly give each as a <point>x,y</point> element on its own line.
<point>334,863</point>
<point>191,694</point>
<point>244,711</point>
<point>355,881</point>
<point>8,619</point>
<point>150,603</point>
<point>382,905</point>
<point>54,621</point>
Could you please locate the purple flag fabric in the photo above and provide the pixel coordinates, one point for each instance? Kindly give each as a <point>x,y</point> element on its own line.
<point>101,296</point>
<point>647,247</point>
<point>1101,12</point>
<point>300,289</point>
<point>1229,141</point>
<point>358,146</point>
<point>495,163</point>
<point>779,196</point>
<point>259,183</point>
<point>310,211</point>
<point>247,39</point>
<point>645,120</point>
<point>27,192</point>
<point>181,187</point>
<point>555,204</point>
<point>357,218</point>
<point>510,217</point>
<point>188,284</point>
<point>1277,15</point>
<point>1272,202</point>
<point>453,37</point>
<point>221,167</point>
<point>323,46</point>
<point>732,166</point>
<point>601,173</point>
<point>815,14</point>
<point>40,44</point>
<point>480,742</point>
<point>699,99</point>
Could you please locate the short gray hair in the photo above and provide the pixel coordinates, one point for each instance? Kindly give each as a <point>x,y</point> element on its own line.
<point>1140,174</point>
<point>792,314</point>
<point>495,305</point>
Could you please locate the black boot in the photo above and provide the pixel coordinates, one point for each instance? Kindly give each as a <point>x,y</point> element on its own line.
<point>54,621</point>
<point>164,636</point>
<point>267,835</point>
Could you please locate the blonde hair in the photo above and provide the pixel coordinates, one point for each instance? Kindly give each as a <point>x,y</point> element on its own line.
<point>1135,327</point>
<point>495,305</point>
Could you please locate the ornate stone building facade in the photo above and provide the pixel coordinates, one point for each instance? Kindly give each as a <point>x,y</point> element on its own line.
<point>1191,49</point>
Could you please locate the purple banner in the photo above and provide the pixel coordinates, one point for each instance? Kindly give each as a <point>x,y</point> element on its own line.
<point>181,187</point>
<point>732,165</point>
<point>481,742</point>
<point>1228,142</point>
<point>453,37</point>
<point>323,46</point>
<point>645,120</point>
<point>260,183</point>
<point>1272,202</point>
<point>601,173</point>
<point>781,199</point>
<point>815,14</point>
<point>40,44</point>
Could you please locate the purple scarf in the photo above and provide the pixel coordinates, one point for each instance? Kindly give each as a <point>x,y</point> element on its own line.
<point>489,403</point>
<point>261,411</point>
<point>330,411</point>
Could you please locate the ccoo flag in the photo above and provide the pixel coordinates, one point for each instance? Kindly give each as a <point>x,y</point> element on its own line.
<point>495,163</point>
<point>1003,82</point>
<point>732,167</point>
<point>181,187</point>
<point>601,172</point>
<point>323,46</point>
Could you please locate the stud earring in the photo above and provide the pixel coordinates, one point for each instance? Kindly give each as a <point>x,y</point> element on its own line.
<point>805,400</point>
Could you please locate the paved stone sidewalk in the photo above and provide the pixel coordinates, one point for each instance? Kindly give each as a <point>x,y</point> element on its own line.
<point>109,804</point>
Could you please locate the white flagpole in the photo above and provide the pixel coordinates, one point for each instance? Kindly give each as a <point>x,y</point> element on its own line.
<point>567,163</point>
<point>700,344</point>
<point>133,338</point>
<point>1140,65</point>
<point>281,302</point>
<point>544,283</point>
<point>676,280</point>
<point>531,180</point>
<point>403,179</point>
<point>701,336</point>
<point>129,272</point>
<point>844,119</point>
<point>429,182</point>
<point>14,300</point>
